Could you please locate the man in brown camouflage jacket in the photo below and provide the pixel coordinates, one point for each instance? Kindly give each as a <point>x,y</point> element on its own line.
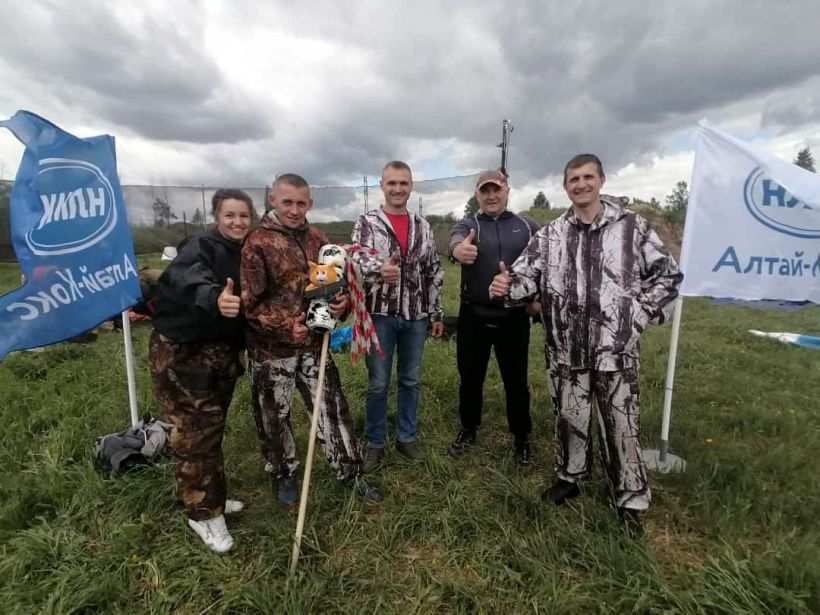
<point>283,354</point>
<point>604,275</point>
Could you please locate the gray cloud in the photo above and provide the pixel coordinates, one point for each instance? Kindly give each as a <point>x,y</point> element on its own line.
<point>145,72</point>
<point>794,112</point>
<point>421,82</point>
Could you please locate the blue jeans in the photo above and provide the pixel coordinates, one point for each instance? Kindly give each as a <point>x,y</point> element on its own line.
<point>406,336</point>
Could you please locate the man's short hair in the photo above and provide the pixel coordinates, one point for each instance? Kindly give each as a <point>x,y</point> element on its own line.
<point>291,179</point>
<point>582,159</point>
<point>397,164</point>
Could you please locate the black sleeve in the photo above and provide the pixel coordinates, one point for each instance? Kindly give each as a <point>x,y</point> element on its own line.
<point>190,279</point>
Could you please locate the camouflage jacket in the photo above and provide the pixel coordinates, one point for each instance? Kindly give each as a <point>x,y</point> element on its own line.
<point>417,294</point>
<point>274,273</point>
<point>600,285</point>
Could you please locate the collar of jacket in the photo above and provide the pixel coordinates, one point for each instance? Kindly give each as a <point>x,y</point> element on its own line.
<point>383,217</point>
<point>610,213</point>
<point>504,214</point>
<point>214,235</point>
<point>271,222</point>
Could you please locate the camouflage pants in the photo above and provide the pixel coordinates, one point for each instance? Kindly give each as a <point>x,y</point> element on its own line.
<point>272,384</point>
<point>617,397</point>
<point>194,383</point>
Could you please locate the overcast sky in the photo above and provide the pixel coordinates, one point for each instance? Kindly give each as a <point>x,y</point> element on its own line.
<point>229,93</point>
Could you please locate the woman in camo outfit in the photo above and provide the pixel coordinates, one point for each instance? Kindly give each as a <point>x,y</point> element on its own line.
<point>194,359</point>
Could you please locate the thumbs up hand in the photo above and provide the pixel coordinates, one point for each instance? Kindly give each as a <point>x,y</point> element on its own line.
<point>466,252</point>
<point>228,303</point>
<point>500,286</point>
<point>390,270</point>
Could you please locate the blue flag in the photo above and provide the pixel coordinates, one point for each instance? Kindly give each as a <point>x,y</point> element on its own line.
<point>70,234</point>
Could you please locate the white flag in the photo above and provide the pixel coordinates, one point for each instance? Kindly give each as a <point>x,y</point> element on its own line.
<point>752,224</point>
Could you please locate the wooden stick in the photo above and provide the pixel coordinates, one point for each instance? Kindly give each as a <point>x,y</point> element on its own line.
<point>314,426</point>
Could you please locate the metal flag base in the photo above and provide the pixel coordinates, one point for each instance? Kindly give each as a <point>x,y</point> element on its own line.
<point>663,461</point>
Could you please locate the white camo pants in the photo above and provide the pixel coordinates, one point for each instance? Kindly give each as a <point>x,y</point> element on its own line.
<point>272,385</point>
<point>616,395</point>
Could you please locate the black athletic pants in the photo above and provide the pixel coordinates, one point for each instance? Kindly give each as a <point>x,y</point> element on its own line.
<point>477,335</point>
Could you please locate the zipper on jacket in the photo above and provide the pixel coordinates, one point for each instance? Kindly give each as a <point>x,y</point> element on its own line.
<point>292,235</point>
<point>498,240</point>
<point>401,267</point>
<point>390,230</point>
<point>301,247</point>
<point>588,274</point>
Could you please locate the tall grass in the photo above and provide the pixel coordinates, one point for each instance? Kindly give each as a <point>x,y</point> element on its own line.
<point>736,533</point>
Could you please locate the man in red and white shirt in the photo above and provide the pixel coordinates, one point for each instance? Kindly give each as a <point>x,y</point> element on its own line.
<point>402,279</point>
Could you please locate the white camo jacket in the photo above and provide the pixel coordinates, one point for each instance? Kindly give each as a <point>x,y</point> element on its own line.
<point>417,294</point>
<point>600,286</point>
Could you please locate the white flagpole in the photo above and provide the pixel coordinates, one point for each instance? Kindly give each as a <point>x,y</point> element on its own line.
<point>662,460</point>
<point>129,368</point>
<point>670,378</point>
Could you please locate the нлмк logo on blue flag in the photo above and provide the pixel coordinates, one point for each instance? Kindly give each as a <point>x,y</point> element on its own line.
<point>70,234</point>
<point>74,219</point>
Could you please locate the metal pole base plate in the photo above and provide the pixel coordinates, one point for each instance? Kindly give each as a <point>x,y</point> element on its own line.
<point>663,463</point>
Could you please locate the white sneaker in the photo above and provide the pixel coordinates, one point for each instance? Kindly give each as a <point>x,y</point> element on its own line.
<point>234,506</point>
<point>214,533</point>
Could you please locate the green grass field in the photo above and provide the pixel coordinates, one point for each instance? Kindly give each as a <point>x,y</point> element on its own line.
<point>737,533</point>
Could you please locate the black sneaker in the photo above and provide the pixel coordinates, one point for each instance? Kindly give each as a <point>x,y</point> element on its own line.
<point>631,522</point>
<point>560,491</point>
<point>366,491</point>
<point>523,454</point>
<point>411,450</point>
<point>463,443</point>
<point>371,459</point>
<point>286,490</point>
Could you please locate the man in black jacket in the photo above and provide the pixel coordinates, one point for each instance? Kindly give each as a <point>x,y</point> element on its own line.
<point>482,243</point>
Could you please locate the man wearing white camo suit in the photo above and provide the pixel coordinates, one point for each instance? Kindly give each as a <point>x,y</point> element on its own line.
<point>603,274</point>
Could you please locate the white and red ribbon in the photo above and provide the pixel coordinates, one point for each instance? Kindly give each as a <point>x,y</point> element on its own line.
<point>364,333</point>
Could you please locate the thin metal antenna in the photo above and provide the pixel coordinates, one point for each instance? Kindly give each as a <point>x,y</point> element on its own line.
<point>506,130</point>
